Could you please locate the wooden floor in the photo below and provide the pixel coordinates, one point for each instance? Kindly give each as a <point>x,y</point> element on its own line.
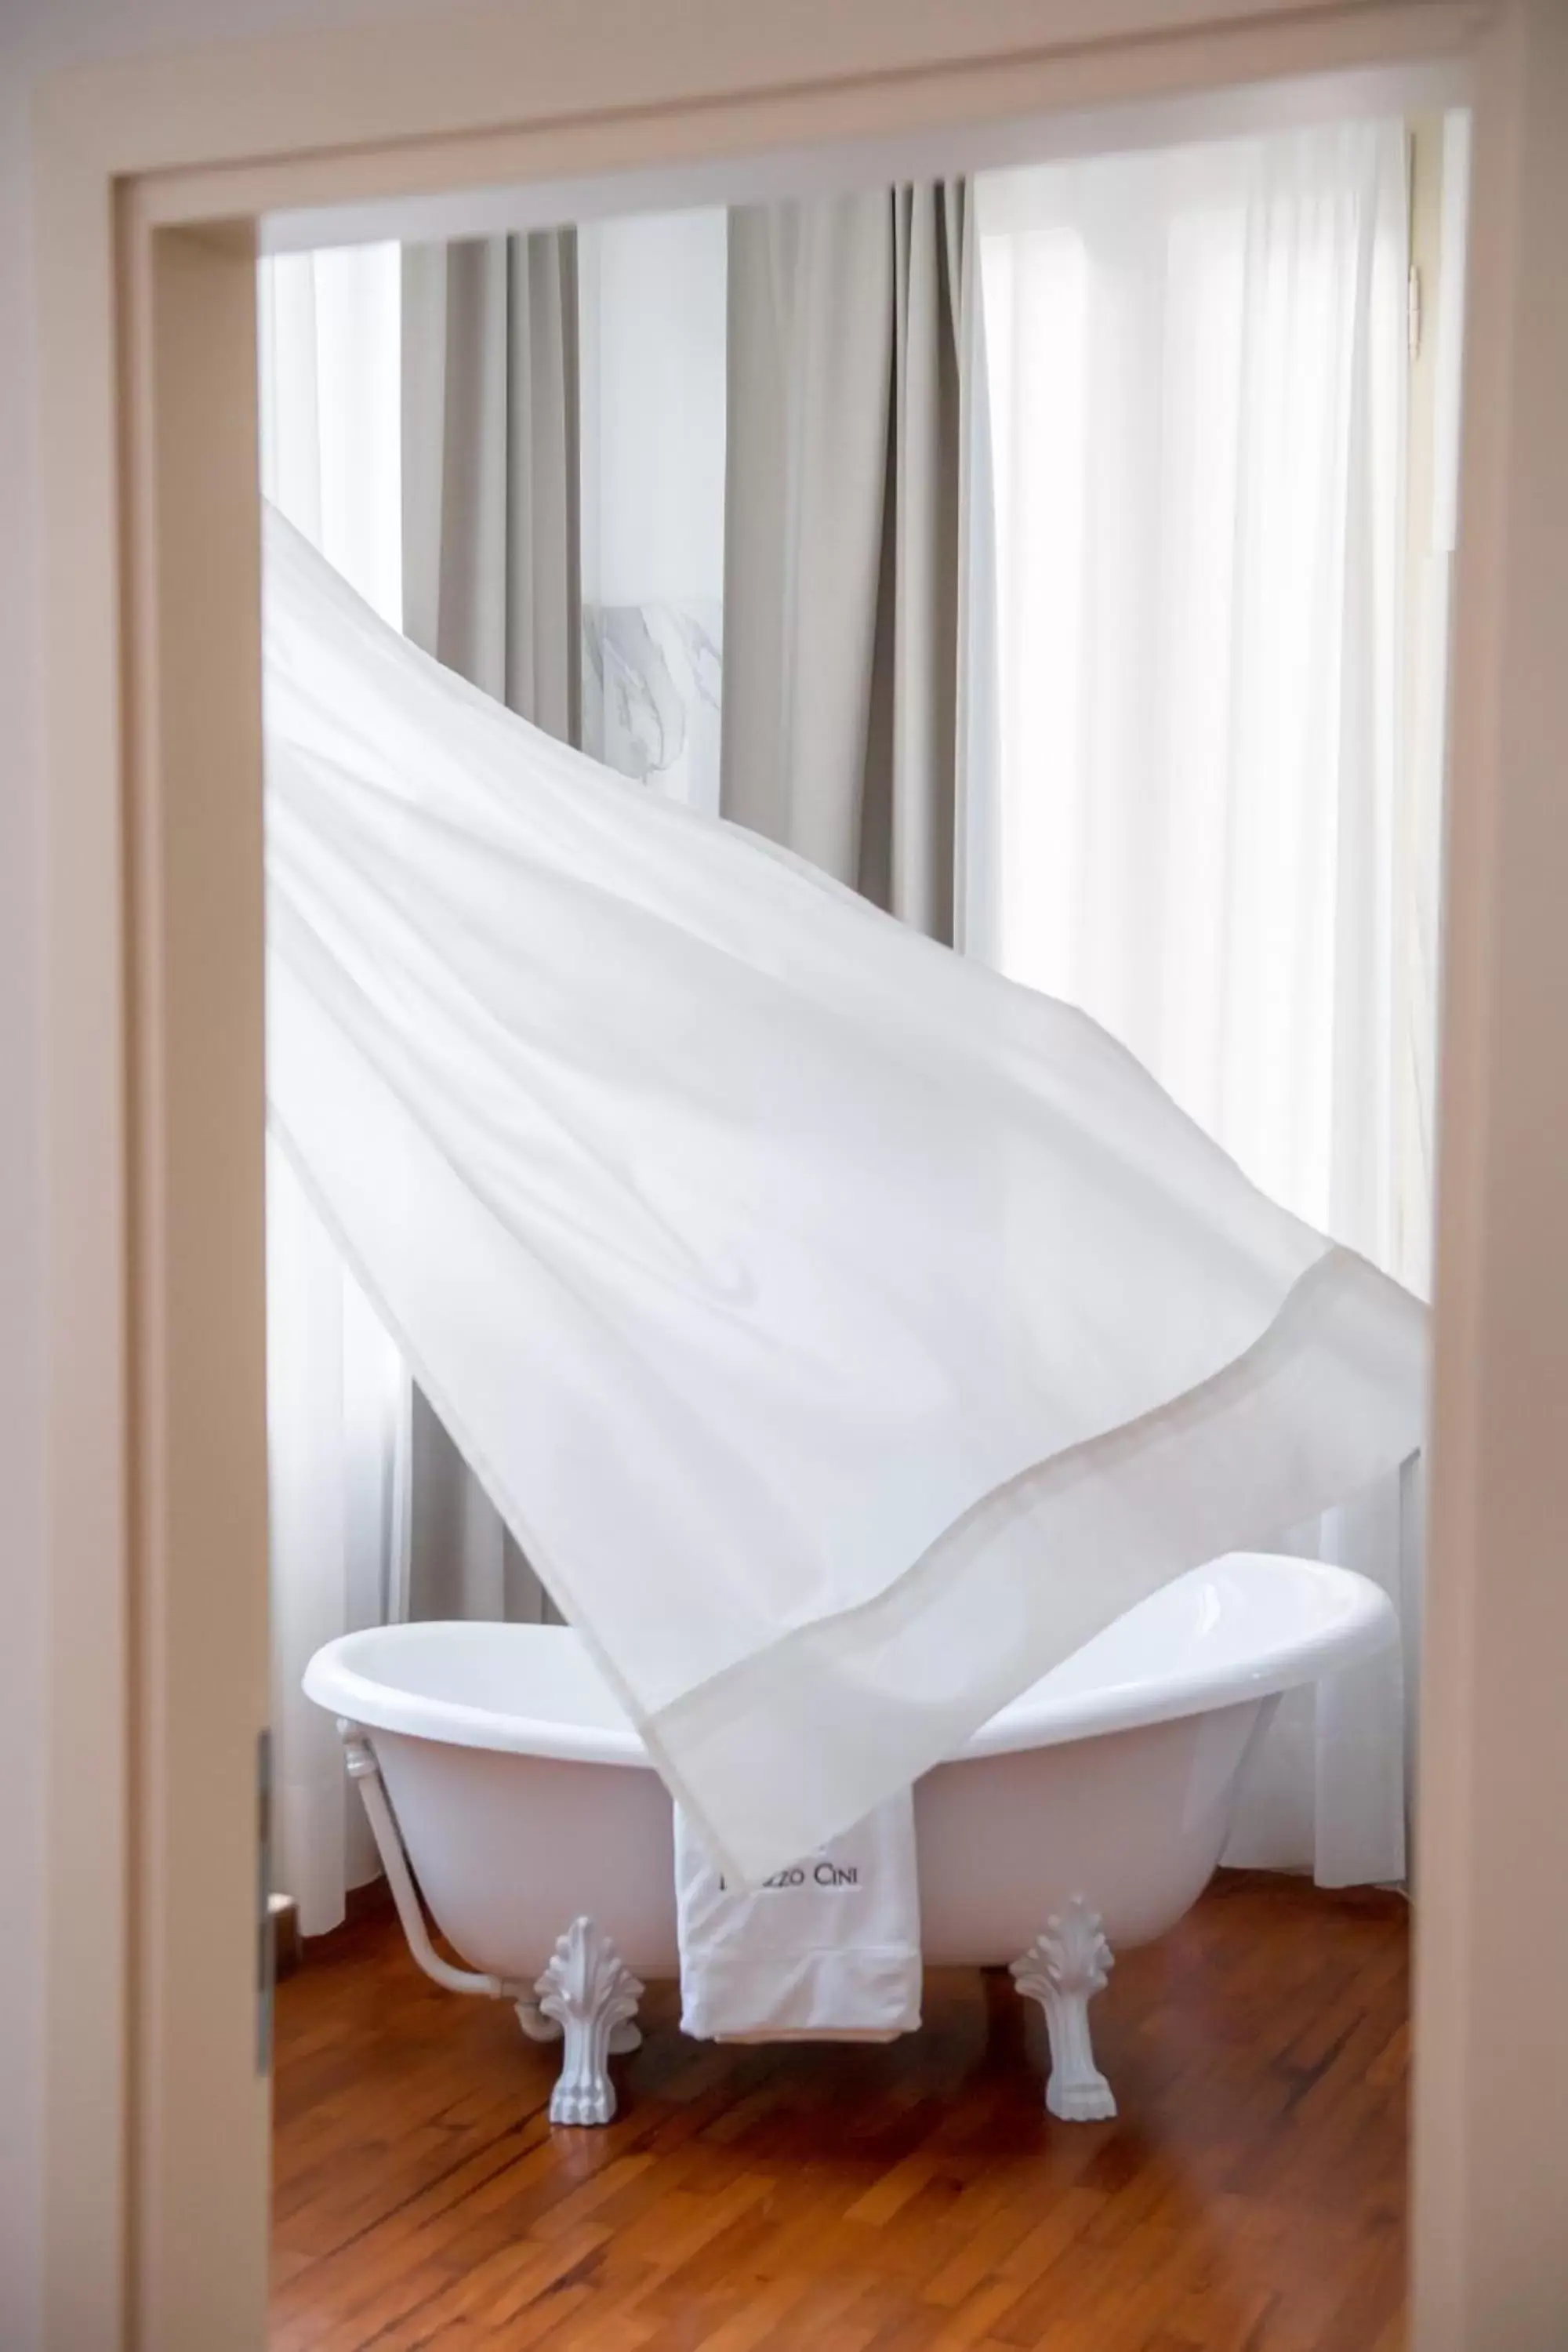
<point>911,2198</point>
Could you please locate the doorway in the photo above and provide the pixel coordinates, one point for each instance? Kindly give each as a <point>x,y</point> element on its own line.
<point>194,1434</point>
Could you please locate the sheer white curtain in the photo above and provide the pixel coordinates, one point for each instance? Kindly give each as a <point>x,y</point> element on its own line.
<point>338,1396</point>
<point>373,1515</point>
<point>1197,368</point>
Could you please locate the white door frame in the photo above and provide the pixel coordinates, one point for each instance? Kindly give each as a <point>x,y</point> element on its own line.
<point>149,177</point>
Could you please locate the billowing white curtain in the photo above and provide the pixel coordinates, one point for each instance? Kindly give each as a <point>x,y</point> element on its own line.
<point>338,1398</point>
<point>847,1331</point>
<point>1197,367</point>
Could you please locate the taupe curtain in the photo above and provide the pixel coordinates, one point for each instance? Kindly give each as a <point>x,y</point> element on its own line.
<point>491,587</point>
<point>850,714</point>
<point>491,536</point>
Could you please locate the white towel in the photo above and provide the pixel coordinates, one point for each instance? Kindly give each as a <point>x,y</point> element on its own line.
<point>828,1950</point>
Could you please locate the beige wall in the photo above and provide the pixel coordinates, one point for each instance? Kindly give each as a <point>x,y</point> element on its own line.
<point>36,37</point>
<point>1493,1943</point>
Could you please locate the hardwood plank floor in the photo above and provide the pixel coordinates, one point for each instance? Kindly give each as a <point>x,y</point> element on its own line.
<point>912,2198</point>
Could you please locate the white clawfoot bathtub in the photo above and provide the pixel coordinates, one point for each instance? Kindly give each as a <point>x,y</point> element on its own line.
<point>1089,1814</point>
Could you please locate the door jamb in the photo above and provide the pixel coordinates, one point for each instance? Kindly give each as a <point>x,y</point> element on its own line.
<point>149,179</point>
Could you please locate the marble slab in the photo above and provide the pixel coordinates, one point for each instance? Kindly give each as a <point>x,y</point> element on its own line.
<point>652,692</point>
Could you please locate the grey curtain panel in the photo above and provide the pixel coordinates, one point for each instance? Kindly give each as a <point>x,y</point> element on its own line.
<point>849,645</point>
<point>491,534</point>
<point>492,586</point>
<point>809,358</point>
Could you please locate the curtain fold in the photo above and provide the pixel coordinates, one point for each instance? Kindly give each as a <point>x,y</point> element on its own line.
<point>810,355</point>
<point>492,588</point>
<point>337,1396</point>
<point>491,526</point>
<point>1197,382</point>
<point>336,1496</point>
<point>908,818</point>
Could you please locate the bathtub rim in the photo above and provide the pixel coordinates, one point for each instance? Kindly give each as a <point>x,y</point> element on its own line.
<point>1361,1623</point>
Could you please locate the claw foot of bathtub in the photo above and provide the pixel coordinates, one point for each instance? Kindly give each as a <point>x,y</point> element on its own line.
<point>587,1991</point>
<point>1063,1969</point>
<point>624,2038</point>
